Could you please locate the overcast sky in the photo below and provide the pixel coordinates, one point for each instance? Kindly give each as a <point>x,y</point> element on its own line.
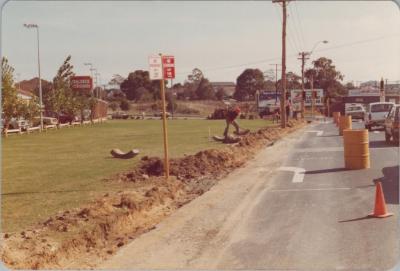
<point>220,38</point>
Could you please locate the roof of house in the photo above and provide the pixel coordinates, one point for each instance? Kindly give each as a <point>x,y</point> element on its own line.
<point>25,92</point>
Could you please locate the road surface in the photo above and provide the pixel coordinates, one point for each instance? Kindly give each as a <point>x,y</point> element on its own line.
<point>293,207</point>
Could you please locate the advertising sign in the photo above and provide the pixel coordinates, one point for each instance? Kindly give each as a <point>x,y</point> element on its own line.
<point>155,68</point>
<point>81,83</point>
<point>296,98</point>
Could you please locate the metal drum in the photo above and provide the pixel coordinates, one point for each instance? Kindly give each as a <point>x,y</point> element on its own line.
<point>356,149</point>
<point>344,124</point>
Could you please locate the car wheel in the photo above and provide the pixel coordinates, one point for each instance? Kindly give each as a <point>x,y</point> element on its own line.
<point>387,137</point>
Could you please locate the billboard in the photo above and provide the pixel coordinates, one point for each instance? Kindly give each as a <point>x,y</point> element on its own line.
<point>81,83</point>
<point>295,98</point>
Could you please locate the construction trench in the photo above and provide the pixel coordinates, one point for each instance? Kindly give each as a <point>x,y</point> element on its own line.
<point>81,237</point>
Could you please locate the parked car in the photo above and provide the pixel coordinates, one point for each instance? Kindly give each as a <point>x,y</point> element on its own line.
<point>167,114</point>
<point>18,123</point>
<point>356,111</point>
<point>376,115</point>
<point>392,124</point>
<point>120,115</point>
<point>46,121</point>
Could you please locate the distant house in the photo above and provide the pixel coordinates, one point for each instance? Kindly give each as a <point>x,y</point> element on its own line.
<point>25,95</point>
<point>228,87</point>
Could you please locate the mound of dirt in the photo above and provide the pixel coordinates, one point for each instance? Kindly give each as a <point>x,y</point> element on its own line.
<point>78,238</point>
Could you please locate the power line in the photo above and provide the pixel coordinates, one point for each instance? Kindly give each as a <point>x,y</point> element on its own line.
<point>295,27</point>
<point>291,42</point>
<point>268,60</point>
<point>300,24</point>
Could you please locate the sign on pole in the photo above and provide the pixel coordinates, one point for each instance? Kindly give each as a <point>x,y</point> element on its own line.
<point>169,67</point>
<point>155,68</point>
<point>81,83</point>
<point>161,68</point>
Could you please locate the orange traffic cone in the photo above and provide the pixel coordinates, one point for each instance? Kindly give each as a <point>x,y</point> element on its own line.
<point>380,205</point>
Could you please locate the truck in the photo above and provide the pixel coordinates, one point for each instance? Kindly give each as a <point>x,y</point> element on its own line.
<point>268,103</point>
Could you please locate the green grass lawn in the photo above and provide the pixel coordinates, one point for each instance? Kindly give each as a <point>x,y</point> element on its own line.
<point>61,169</point>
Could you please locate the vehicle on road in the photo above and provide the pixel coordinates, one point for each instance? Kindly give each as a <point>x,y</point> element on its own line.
<point>376,115</point>
<point>356,111</point>
<point>392,124</point>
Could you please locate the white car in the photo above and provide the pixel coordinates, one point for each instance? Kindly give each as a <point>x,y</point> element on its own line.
<point>376,114</point>
<point>356,111</point>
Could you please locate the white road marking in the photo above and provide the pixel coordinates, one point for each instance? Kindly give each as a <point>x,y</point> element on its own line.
<point>319,132</point>
<point>377,132</point>
<point>310,189</point>
<point>298,173</point>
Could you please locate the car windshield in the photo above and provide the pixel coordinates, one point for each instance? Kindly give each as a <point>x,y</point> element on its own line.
<point>381,107</point>
<point>354,108</point>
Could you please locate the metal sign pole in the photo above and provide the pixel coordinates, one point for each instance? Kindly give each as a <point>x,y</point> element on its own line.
<point>166,159</point>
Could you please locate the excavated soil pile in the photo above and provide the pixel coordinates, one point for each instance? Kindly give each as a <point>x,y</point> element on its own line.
<point>79,238</point>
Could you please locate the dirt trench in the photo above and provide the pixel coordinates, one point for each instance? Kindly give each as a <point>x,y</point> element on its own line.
<point>80,237</point>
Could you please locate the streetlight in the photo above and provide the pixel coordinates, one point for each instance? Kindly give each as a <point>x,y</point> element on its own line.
<point>98,84</point>
<point>29,26</point>
<point>316,44</point>
<point>91,69</point>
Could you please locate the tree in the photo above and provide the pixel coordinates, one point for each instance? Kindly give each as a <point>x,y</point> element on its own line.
<point>196,76</point>
<point>29,109</point>
<point>204,90</point>
<point>113,105</point>
<point>9,101</point>
<point>61,98</point>
<point>248,83</point>
<point>116,80</point>
<point>124,105</point>
<point>192,83</point>
<point>325,76</point>
<point>220,94</point>
<point>136,80</point>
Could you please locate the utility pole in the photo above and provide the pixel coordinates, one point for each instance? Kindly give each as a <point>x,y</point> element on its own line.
<point>303,58</point>
<point>312,97</point>
<point>283,78</point>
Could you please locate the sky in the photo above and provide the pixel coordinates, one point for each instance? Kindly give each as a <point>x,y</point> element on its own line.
<point>220,38</point>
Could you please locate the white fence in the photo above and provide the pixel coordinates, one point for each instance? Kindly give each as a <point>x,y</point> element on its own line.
<point>53,126</point>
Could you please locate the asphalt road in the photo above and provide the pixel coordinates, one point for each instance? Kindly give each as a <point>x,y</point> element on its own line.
<point>263,217</point>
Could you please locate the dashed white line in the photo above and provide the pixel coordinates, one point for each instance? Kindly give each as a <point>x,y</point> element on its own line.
<point>298,173</point>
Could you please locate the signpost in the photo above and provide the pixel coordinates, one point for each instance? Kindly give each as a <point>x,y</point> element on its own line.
<point>160,68</point>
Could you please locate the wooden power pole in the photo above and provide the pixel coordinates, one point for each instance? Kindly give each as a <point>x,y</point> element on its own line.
<point>283,78</point>
<point>303,58</point>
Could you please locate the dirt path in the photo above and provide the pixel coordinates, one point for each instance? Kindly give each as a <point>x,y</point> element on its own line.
<point>194,236</point>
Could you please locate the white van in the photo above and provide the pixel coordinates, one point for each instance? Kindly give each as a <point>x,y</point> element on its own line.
<point>376,114</point>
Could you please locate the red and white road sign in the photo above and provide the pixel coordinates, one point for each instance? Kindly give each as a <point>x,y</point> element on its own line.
<point>161,68</point>
<point>169,67</point>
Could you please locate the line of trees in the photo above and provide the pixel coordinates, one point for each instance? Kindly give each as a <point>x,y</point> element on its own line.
<point>12,106</point>
<point>323,74</point>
